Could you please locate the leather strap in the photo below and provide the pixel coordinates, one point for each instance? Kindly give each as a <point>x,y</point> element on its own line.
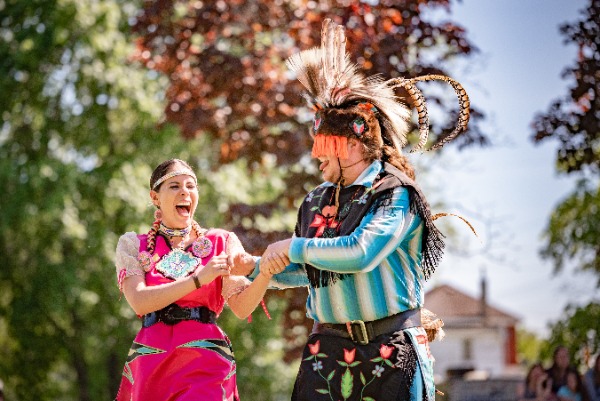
<point>363,332</point>
<point>174,314</point>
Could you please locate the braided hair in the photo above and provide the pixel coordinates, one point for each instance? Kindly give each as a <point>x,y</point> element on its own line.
<point>395,158</point>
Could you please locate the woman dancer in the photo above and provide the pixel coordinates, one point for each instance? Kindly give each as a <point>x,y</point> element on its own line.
<point>177,278</point>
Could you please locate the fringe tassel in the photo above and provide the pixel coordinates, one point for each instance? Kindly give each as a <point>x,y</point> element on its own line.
<point>438,215</point>
<point>330,145</point>
<point>433,239</point>
<point>406,362</point>
<point>264,307</point>
<point>323,278</point>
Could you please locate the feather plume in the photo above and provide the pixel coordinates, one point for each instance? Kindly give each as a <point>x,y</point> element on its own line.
<point>333,81</point>
<point>339,51</point>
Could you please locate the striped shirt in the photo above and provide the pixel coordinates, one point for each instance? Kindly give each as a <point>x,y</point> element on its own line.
<point>380,260</point>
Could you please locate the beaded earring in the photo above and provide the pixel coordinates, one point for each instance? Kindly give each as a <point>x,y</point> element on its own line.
<point>158,214</point>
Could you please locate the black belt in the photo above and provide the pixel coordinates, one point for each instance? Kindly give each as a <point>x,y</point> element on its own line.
<point>174,314</point>
<point>362,332</point>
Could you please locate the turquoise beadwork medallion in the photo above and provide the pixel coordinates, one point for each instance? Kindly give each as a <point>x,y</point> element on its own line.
<point>177,264</point>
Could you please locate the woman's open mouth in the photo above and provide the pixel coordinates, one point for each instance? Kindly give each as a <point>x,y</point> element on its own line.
<point>184,209</point>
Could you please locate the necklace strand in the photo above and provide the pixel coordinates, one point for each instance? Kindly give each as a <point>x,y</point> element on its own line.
<point>337,205</point>
<point>172,233</point>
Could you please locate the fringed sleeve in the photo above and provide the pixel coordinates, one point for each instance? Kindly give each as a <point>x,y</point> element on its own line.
<point>233,285</point>
<point>126,259</point>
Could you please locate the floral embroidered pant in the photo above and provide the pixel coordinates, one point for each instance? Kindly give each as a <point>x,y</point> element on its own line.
<point>394,367</point>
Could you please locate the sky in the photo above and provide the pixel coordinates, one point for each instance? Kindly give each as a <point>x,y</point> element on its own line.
<point>509,190</point>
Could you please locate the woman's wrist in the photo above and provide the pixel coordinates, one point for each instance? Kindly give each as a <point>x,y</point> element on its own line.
<point>197,282</point>
<point>267,275</point>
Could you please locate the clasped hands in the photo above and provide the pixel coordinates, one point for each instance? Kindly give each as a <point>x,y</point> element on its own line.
<point>273,261</point>
<point>275,258</point>
<point>224,265</point>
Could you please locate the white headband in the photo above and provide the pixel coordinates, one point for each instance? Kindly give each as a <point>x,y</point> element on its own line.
<point>173,174</point>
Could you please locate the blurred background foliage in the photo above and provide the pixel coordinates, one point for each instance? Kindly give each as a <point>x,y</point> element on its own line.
<point>97,93</point>
<point>573,233</point>
<point>572,236</point>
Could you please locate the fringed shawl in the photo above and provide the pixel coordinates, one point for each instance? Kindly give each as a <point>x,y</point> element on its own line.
<point>351,214</point>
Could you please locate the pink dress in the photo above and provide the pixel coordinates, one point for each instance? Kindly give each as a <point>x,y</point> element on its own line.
<point>189,360</point>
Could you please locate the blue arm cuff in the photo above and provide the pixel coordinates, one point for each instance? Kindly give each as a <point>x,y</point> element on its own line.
<point>296,253</point>
<point>256,270</point>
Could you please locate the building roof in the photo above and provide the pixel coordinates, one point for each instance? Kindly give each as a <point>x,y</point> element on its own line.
<point>459,309</point>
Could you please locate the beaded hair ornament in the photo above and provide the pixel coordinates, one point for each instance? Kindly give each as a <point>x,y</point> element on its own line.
<point>350,105</point>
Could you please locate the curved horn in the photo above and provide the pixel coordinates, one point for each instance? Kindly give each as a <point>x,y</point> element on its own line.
<point>463,101</point>
<point>419,102</point>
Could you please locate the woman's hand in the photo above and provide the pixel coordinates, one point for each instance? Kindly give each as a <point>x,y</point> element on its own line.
<point>217,266</point>
<point>242,264</point>
<point>275,259</point>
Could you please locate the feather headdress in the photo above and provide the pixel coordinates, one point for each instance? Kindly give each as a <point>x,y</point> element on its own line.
<point>348,104</point>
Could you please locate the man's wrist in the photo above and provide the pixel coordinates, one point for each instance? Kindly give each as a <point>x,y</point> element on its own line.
<point>296,250</point>
<point>254,273</point>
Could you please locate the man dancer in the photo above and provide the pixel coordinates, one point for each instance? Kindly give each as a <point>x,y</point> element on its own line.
<point>364,241</point>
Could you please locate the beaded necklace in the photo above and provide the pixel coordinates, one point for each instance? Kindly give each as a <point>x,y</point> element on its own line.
<point>174,232</point>
<point>178,262</point>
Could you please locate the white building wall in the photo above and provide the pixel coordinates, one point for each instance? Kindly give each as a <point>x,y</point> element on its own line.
<point>487,351</point>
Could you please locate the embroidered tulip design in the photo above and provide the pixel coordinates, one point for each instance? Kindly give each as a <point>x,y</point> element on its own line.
<point>317,366</point>
<point>314,348</point>
<point>347,385</point>
<point>349,355</point>
<point>385,351</point>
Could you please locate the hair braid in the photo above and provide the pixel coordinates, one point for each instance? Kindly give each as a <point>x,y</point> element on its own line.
<point>197,229</point>
<point>398,160</point>
<point>151,240</point>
